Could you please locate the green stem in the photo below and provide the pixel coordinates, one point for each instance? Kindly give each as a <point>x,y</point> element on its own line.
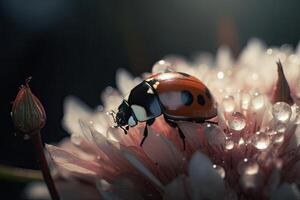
<point>36,138</point>
<point>19,174</point>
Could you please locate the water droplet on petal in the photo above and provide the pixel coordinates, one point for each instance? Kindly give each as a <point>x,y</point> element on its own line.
<point>237,121</point>
<point>295,117</point>
<point>220,75</point>
<point>258,101</point>
<point>241,141</point>
<point>271,132</point>
<point>280,127</point>
<point>228,103</point>
<point>269,51</point>
<point>248,167</point>
<point>229,144</point>
<point>261,140</point>
<point>161,66</point>
<point>76,139</point>
<point>220,170</point>
<point>278,138</point>
<point>254,182</point>
<point>26,137</point>
<point>281,111</point>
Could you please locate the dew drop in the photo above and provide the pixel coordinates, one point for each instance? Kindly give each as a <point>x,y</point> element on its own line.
<point>100,108</point>
<point>271,132</point>
<point>280,127</point>
<point>295,117</point>
<point>229,144</point>
<point>261,140</point>
<point>248,167</point>
<point>258,101</point>
<point>237,121</point>
<point>269,51</point>
<point>98,158</point>
<point>281,111</point>
<point>220,75</point>
<point>241,141</point>
<point>75,139</point>
<point>228,103</point>
<point>278,138</point>
<point>254,182</point>
<point>26,137</point>
<point>161,66</point>
<point>220,170</point>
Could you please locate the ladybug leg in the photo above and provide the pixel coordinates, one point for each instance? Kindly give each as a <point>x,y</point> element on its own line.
<point>124,129</point>
<point>174,125</point>
<point>182,136</point>
<point>148,123</point>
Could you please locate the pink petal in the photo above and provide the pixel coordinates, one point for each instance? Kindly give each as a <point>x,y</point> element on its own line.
<point>74,109</point>
<point>164,153</point>
<point>206,183</point>
<point>69,162</point>
<point>125,82</point>
<point>143,170</point>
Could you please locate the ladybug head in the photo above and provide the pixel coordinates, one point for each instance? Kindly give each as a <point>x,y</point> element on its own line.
<point>124,118</point>
<point>123,114</point>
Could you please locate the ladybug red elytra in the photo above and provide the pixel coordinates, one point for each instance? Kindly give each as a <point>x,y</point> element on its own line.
<point>175,95</point>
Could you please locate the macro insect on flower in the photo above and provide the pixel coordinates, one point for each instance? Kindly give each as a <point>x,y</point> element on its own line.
<point>175,95</point>
<point>252,153</point>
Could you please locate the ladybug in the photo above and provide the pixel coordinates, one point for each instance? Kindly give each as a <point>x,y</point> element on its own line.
<point>175,95</point>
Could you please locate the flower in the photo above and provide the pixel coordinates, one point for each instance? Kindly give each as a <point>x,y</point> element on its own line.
<point>27,113</point>
<point>253,152</point>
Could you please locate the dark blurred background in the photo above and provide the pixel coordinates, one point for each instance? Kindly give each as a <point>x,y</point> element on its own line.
<point>76,46</point>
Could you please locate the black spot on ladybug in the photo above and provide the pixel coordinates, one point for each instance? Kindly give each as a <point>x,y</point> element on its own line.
<point>184,74</point>
<point>207,93</point>
<point>201,100</point>
<point>186,97</point>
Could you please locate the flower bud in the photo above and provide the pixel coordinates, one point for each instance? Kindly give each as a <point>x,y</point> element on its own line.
<point>27,113</point>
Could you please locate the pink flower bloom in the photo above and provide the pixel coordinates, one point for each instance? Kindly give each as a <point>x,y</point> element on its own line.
<point>253,152</point>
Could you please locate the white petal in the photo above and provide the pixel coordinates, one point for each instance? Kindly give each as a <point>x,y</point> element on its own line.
<point>224,58</point>
<point>71,163</point>
<point>111,98</point>
<point>74,110</point>
<point>206,183</point>
<point>286,191</point>
<point>125,81</point>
